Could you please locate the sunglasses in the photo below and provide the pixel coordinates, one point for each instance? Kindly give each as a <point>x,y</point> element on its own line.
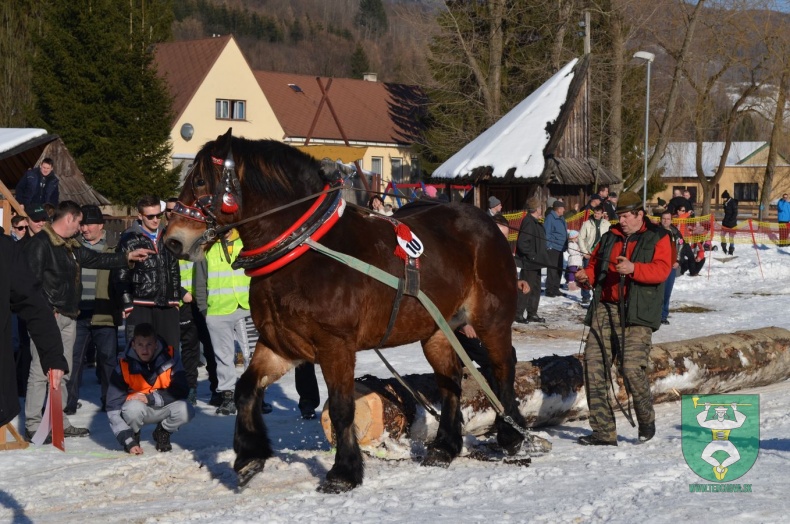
<point>20,228</point>
<point>157,216</point>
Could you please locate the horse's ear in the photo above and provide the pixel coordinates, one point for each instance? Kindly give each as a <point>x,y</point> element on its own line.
<point>330,171</point>
<point>223,139</point>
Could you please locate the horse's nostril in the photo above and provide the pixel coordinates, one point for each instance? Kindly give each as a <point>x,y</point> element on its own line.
<point>174,246</point>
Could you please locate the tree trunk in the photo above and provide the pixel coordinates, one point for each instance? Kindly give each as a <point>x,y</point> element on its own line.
<point>773,147</point>
<point>616,94</point>
<point>551,389</point>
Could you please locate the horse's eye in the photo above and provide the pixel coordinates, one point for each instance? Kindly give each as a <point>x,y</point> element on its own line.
<point>200,182</point>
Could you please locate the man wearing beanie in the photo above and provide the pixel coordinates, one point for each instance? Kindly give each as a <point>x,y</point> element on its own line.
<point>494,205</point>
<point>556,245</point>
<point>627,271</point>
<point>531,249</point>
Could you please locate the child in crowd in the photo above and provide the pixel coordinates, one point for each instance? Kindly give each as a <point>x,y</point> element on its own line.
<point>575,259</point>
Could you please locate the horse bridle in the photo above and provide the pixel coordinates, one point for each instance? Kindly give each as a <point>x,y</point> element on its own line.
<point>227,199</point>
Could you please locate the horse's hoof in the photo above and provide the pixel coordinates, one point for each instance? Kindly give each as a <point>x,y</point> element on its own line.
<point>437,458</point>
<point>249,470</point>
<point>334,486</point>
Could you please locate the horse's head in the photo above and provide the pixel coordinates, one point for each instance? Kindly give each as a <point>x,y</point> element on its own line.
<point>232,179</point>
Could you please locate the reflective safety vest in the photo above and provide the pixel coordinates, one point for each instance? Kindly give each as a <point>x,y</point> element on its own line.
<point>187,269</point>
<point>138,384</point>
<point>227,289</point>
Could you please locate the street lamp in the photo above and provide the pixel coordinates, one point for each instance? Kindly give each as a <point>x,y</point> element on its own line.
<point>648,58</point>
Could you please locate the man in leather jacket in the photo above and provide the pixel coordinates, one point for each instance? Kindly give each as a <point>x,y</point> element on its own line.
<point>150,291</point>
<point>55,258</point>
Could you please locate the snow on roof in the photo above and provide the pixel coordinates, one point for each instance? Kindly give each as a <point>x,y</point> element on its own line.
<point>679,160</point>
<point>517,140</point>
<point>10,137</point>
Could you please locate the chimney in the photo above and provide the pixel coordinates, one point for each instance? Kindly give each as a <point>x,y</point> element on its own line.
<point>369,77</point>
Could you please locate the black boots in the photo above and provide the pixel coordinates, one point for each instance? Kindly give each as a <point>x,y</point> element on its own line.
<point>593,440</point>
<point>647,432</point>
<point>162,438</point>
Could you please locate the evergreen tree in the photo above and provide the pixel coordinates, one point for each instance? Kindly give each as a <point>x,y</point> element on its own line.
<point>96,88</point>
<point>372,16</point>
<point>359,62</point>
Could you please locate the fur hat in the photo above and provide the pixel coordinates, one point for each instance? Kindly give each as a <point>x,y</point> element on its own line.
<point>533,204</point>
<point>493,202</point>
<point>92,215</point>
<point>629,201</point>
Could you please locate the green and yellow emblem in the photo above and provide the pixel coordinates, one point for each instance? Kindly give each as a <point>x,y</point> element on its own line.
<point>721,435</point>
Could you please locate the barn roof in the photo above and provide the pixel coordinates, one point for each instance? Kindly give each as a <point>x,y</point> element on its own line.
<point>543,138</point>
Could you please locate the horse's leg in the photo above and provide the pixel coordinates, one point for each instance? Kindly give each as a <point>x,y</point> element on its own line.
<point>251,439</point>
<point>502,361</point>
<point>348,470</point>
<point>448,442</point>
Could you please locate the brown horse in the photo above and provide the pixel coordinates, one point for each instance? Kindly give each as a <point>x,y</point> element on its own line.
<point>309,307</point>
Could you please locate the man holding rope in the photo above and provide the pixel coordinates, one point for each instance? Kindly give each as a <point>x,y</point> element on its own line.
<point>627,271</point>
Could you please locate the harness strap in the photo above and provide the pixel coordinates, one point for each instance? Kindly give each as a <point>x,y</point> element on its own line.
<point>392,281</point>
<point>393,316</point>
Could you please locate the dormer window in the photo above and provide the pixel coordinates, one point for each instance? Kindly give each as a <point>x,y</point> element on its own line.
<point>231,109</point>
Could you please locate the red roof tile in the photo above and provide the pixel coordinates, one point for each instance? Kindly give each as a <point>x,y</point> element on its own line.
<point>184,65</point>
<point>367,111</point>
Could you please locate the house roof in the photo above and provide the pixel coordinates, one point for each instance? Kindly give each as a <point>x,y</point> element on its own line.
<point>679,160</point>
<point>516,144</point>
<point>369,112</point>
<point>184,65</point>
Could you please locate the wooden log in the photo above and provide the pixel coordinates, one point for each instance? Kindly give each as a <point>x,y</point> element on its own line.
<point>551,389</point>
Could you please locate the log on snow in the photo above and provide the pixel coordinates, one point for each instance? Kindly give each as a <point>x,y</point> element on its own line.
<point>551,389</point>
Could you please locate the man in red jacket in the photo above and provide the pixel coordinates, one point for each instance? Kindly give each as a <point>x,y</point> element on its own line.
<point>627,271</point>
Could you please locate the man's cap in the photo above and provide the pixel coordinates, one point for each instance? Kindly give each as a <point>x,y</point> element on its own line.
<point>493,202</point>
<point>533,204</point>
<point>37,213</point>
<point>628,201</point>
<point>726,194</point>
<point>557,204</point>
<point>92,215</point>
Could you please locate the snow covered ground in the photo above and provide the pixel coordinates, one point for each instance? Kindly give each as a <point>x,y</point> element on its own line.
<point>95,481</point>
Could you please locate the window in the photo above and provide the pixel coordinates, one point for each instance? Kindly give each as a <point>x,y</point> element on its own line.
<point>376,165</point>
<point>747,192</point>
<point>397,169</point>
<point>231,109</point>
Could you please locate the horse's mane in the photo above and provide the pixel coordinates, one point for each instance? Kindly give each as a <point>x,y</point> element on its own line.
<point>271,168</point>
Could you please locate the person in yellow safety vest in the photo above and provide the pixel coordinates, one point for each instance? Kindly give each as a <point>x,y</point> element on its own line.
<point>193,334</point>
<point>222,295</point>
<point>148,386</point>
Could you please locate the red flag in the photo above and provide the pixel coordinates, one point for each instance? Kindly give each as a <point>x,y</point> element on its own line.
<point>56,416</point>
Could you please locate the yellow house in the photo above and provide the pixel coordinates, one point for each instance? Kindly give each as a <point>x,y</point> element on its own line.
<point>743,177</point>
<point>213,88</point>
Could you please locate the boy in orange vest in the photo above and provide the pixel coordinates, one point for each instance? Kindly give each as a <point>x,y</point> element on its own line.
<point>149,386</point>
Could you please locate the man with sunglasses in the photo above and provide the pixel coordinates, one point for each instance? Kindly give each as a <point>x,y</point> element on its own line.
<point>18,227</point>
<point>151,290</point>
<point>627,271</point>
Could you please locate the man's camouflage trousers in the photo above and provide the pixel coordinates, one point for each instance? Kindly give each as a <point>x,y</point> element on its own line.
<point>602,353</point>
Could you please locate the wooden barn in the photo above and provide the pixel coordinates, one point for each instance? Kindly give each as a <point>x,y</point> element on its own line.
<point>540,148</point>
<point>21,149</point>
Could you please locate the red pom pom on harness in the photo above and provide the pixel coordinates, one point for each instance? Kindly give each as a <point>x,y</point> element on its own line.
<point>229,204</point>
